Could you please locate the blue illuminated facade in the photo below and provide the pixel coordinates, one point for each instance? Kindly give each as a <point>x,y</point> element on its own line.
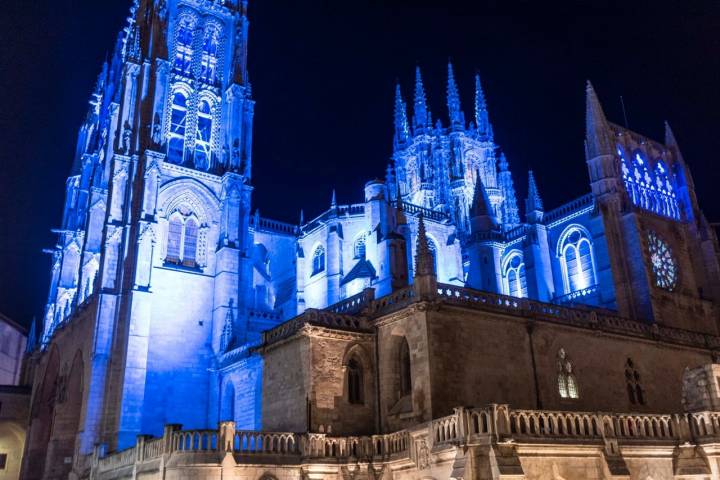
<point>161,257</point>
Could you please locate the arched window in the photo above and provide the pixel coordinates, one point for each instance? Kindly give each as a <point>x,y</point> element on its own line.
<point>577,259</point>
<point>175,228</point>
<point>182,239</point>
<point>176,136</point>
<point>567,382</point>
<point>666,202</point>
<point>514,275</point>
<point>209,60</point>
<point>190,242</point>
<point>650,189</point>
<point>404,368</point>
<point>318,260</point>
<point>355,382</point>
<point>183,45</point>
<point>204,133</point>
<point>227,407</point>
<point>632,380</point>
<point>359,247</point>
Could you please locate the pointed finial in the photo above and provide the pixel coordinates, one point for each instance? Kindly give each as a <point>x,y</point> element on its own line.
<point>533,205</point>
<point>482,119</point>
<point>402,130</point>
<point>669,136</point>
<point>424,261</point>
<point>504,166</point>
<point>302,217</point>
<point>333,200</point>
<point>596,126</point>
<point>421,119</point>
<point>453,100</point>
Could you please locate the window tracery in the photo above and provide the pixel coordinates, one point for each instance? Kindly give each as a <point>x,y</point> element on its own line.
<point>567,382</point>
<point>183,45</point>
<point>318,260</point>
<point>208,64</point>
<point>176,136</point>
<point>182,239</point>
<point>404,368</point>
<point>650,189</point>
<point>514,275</point>
<point>662,260</point>
<point>359,247</point>
<point>577,259</point>
<point>203,135</point>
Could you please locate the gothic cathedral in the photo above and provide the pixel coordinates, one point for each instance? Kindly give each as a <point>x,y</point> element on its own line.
<point>431,330</point>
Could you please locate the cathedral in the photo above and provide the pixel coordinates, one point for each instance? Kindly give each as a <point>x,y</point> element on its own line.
<point>438,328</point>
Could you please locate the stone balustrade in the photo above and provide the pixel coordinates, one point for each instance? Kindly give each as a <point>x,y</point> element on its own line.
<point>465,427</point>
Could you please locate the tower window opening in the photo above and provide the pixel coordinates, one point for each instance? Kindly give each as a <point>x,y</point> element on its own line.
<point>359,247</point>
<point>176,136</point>
<point>183,46</point>
<point>203,138</point>
<point>208,65</point>
<point>182,240</point>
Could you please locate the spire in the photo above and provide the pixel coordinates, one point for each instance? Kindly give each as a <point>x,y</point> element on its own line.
<point>302,217</point>
<point>401,121</point>
<point>424,261</point>
<point>510,215</point>
<point>669,136</point>
<point>482,119</point>
<point>226,338</point>
<point>421,116</point>
<point>457,119</point>
<point>333,200</point>
<point>596,125</point>
<point>533,205</point>
<point>482,217</point>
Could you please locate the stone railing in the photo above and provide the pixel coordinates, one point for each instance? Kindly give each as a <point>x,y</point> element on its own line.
<point>311,316</point>
<point>417,210</point>
<point>583,316</point>
<point>355,303</point>
<point>586,201</point>
<point>572,296</point>
<point>466,426</point>
<point>275,226</point>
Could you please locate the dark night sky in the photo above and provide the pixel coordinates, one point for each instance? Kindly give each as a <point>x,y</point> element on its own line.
<point>323,75</point>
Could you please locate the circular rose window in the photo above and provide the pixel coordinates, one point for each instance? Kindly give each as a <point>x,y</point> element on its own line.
<point>663,262</point>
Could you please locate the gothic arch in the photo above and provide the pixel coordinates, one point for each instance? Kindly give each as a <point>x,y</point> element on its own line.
<point>517,285</point>
<point>203,202</point>
<point>227,401</point>
<point>565,246</point>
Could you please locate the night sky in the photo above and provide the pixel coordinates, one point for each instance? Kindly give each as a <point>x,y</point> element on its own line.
<point>323,75</point>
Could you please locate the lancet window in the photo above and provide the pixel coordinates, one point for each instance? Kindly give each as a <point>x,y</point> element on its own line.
<point>183,45</point>
<point>577,259</point>
<point>203,137</point>
<point>182,239</point>
<point>355,382</point>
<point>404,368</point>
<point>359,247</point>
<point>651,189</point>
<point>176,136</point>
<point>567,381</point>
<point>208,65</point>
<point>632,380</point>
<point>318,260</point>
<point>514,276</point>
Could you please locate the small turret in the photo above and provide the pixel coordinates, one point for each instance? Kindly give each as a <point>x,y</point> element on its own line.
<point>333,200</point>
<point>533,205</point>
<point>425,281</point>
<point>421,115</point>
<point>456,116</point>
<point>402,131</point>
<point>510,211</point>
<point>482,120</point>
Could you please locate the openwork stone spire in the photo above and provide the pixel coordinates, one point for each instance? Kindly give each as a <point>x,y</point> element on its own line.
<point>510,212</point>
<point>482,119</point>
<point>596,127</point>
<point>424,262</point>
<point>402,130</point>
<point>455,113</point>
<point>421,116</point>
